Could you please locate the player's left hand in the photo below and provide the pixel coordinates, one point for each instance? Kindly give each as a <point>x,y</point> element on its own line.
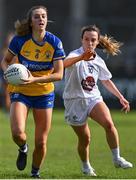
<point>125,104</point>
<point>29,80</point>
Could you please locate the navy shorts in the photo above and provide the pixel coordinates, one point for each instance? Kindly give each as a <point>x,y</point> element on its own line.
<point>39,102</point>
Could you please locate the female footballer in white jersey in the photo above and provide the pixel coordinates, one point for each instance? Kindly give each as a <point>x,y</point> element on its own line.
<point>42,53</point>
<point>82,98</point>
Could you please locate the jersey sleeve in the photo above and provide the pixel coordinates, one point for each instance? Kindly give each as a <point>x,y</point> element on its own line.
<point>13,46</point>
<point>104,74</point>
<point>72,54</point>
<point>59,51</point>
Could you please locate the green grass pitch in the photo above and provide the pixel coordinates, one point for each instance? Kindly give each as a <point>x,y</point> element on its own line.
<point>62,161</point>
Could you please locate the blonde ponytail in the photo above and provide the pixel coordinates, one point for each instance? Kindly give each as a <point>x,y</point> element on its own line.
<point>109,45</point>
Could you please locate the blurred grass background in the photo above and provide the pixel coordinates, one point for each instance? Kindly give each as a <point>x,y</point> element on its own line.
<point>62,161</point>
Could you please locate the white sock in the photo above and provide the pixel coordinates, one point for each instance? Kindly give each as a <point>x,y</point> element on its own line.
<point>115,153</point>
<point>86,164</point>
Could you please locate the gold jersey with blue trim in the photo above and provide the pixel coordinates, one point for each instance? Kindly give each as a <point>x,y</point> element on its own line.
<point>38,58</point>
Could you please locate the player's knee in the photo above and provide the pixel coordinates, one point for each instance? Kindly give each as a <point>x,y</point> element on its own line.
<point>109,126</point>
<point>40,145</point>
<point>19,136</point>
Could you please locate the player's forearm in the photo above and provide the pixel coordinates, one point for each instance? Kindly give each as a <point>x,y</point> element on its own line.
<point>4,64</point>
<point>70,61</point>
<point>7,60</point>
<point>110,86</point>
<point>50,78</point>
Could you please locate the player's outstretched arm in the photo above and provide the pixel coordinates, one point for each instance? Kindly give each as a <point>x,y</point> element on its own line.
<point>86,56</point>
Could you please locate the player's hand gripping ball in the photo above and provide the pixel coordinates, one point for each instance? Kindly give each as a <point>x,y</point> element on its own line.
<point>15,74</point>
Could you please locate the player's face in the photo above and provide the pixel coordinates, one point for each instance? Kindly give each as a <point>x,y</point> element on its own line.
<point>39,20</point>
<point>90,40</point>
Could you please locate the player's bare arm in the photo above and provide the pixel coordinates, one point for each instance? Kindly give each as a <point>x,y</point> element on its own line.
<point>55,76</point>
<point>7,60</point>
<point>110,86</point>
<point>86,56</point>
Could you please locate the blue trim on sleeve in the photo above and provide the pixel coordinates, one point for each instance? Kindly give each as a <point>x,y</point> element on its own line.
<point>56,44</point>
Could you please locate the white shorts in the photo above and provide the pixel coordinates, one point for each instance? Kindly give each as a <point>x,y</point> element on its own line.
<point>77,110</point>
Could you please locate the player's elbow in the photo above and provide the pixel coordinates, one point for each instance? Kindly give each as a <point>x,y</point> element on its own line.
<point>59,76</point>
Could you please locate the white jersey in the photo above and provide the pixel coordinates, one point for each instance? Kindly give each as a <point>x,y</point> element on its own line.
<point>81,78</point>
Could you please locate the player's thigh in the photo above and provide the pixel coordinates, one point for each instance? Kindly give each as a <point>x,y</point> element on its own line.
<point>18,116</point>
<point>101,114</point>
<point>42,118</point>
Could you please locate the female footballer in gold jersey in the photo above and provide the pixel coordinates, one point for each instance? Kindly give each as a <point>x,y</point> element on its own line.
<point>42,53</point>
